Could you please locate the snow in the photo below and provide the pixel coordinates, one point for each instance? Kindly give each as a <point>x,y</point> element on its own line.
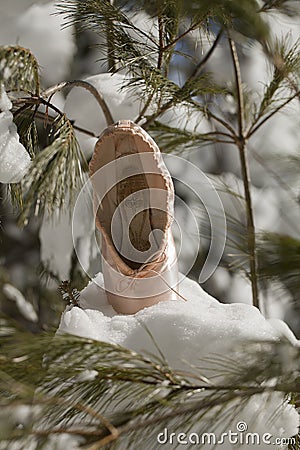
<point>57,244</point>
<point>5,103</point>
<point>11,417</point>
<point>284,331</point>
<point>276,301</point>
<point>187,332</point>
<point>14,159</point>
<point>265,202</point>
<point>25,308</point>
<point>200,308</point>
<point>13,7</point>
<point>61,233</point>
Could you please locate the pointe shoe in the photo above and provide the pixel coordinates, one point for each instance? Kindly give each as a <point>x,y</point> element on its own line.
<point>134,201</point>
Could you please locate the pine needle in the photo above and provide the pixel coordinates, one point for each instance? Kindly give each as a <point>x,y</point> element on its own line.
<point>98,390</point>
<point>19,69</point>
<point>56,172</point>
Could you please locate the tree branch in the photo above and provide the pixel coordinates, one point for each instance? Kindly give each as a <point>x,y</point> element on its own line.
<point>89,87</point>
<point>133,425</point>
<point>110,45</point>
<point>200,65</point>
<point>221,122</point>
<point>45,116</point>
<point>241,143</point>
<point>41,115</point>
<point>160,40</point>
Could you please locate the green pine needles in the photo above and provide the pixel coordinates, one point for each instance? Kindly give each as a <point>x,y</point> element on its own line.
<point>57,169</point>
<point>19,69</point>
<point>65,383</point>
<point>68,382</point>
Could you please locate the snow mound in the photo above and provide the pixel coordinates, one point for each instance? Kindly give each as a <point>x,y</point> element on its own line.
<point>187,333</point>
<point>14,159</point>
<point>25,308</point>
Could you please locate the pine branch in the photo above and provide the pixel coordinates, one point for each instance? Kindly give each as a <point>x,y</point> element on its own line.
<point>202,63</point>
<point>160,39</point>
<point>16,195</point>
<point>288,7</point>
<point>110,46</point>
<point>245,175</point>
<point>140,54</point>
<point>282,105</point>
<point>191,87</point>
<point>172,139</point>
<point>24,119</point>
<point>146,392</point>
<point>286,64</point>
<point>104,17</point>
<point>89,87</point>
<point>70,295</point>
<point>207,112</point>
<point>238,15</point>
<point>47,118</point>
<point>56,172</point>
<point>19,69</point>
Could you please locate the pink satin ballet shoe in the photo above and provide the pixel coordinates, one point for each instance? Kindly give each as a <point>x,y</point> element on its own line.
<point>133,201</point>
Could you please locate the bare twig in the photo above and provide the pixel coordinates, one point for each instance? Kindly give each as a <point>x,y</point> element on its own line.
<point>45,115</point>
<point>89,87</point>
<point>145,107</point>
<point>241,143</point>
<point>218,119</point>
<point>35,101</point>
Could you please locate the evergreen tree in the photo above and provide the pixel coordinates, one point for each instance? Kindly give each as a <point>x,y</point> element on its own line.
<point>64,381</point>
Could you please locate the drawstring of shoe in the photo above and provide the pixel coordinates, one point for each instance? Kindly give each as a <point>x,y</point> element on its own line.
<point>141,273</point>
